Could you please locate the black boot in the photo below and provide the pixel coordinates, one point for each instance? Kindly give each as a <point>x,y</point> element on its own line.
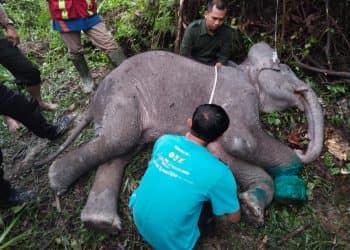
<point>62,126</point>
<point>84,72</point>
<point>11,197</point>
<point>17,198</point>
<point>5,187</point>
<point>116,57</point>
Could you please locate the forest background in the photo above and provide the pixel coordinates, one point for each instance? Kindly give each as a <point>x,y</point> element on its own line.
<point>312,38</point>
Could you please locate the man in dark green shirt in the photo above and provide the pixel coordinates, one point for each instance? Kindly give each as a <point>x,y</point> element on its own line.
<point>209,40</point>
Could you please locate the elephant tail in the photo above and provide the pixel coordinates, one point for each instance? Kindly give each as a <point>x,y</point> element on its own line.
<point>87,118</point>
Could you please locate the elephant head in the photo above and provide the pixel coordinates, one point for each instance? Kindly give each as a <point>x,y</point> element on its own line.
<point>278,89</point>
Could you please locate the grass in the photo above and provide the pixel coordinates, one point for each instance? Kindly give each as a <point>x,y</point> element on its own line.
<point>39,225</point>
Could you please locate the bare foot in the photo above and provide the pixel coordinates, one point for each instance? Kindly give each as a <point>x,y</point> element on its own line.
<point>12,124</point>
<point>48,106</point>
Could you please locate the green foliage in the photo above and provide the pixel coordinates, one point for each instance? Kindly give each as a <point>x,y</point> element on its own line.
<point>338,89</point>
<point>162,20</point>
<point>328,161</point>
<point>5,76</point>
<point>34,22</point>
<point>279,122</point>
<point>143,24</point>
<point>4,242</point>
<point>140,25</point>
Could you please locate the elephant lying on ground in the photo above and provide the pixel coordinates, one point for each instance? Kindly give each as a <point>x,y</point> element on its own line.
<point>155,92</point>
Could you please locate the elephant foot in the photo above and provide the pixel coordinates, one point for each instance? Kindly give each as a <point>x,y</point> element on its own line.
<point>109,223</point>
<point>252,212</point>
<point>100,213</point>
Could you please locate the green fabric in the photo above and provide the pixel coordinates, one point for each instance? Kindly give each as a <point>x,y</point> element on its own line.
<point>293,169</point>
<point>290,188</point>
<point>205,48</point>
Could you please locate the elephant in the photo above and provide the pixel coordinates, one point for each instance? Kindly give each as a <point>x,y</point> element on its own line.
<point>154,92</point>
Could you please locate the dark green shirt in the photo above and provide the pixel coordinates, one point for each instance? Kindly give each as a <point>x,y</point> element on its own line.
<point>198,44</point>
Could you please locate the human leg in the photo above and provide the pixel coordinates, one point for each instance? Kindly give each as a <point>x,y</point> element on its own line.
<point>17,106</point>
<point>103,40</point>
<point>12,124</point>
<point>24,71</point>
<point>75,49</point>
<point>9,196</point>
<point>5,186</point>
<point>35,92</point>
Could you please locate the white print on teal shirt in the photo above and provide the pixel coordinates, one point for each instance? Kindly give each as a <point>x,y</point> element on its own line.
<point>175,157</point>
<point>176,147</point>
<point>166,167</point>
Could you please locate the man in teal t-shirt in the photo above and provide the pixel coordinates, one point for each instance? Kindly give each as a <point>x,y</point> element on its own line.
<point>180,177</point>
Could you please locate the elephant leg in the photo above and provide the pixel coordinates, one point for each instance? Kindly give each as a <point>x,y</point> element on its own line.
<point>258,190</point>
<point>283,164</point>
<point>100,211</point>
<point>257,185</point>
<point>120,133</point>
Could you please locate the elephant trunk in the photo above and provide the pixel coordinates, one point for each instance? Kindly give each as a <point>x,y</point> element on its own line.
<point>314,115</point>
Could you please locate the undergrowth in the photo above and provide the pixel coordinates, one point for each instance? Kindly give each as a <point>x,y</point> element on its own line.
<point>138,25</point>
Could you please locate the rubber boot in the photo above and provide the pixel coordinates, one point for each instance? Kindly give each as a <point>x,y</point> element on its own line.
<point>83,69</point>
<point>116,57</point>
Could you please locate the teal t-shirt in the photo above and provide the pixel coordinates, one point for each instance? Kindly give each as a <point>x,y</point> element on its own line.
<point>180,176</point>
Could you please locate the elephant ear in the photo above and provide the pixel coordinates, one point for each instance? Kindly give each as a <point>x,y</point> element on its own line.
<point>274,82</point>
<point>259,58</point>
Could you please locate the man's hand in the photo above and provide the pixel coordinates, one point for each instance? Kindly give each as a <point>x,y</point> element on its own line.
<point>12,36</point>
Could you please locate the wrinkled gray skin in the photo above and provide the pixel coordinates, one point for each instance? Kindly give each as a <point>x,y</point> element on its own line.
<point>155,92</point>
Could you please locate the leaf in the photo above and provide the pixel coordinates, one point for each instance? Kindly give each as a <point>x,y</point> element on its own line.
<point>337,145</point>
<point>294,138</point>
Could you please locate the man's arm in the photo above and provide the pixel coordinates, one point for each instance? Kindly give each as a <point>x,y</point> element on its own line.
<point>223,197</point>
<point>234,217</point>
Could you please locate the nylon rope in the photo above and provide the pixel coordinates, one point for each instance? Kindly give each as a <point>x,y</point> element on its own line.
<point>274,54</point>
<point>214,85</point>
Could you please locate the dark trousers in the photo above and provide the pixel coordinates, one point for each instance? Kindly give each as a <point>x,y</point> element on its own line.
<point>26,111</point>
<point>18,64</point>
<point>5,187</point>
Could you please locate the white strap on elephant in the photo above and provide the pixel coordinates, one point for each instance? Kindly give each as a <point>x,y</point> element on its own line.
<point>214,85</point>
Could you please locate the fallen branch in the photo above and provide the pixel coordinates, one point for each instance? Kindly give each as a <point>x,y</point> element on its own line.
<point>294,233</point>
<point>324,71</point>
<point>335,82</point>
<point>314,62</point>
